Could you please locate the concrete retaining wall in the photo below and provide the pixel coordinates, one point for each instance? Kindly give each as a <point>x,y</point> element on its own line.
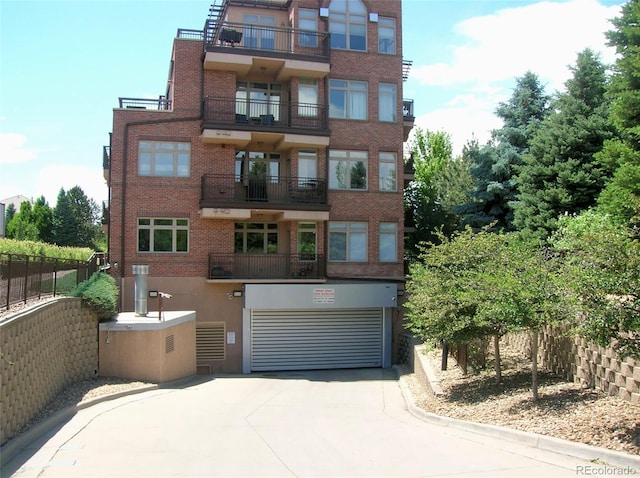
<point>43,350</point>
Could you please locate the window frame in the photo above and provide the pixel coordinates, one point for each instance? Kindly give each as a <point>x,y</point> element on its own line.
<point>384,235</point>
<point>351,91</point>
<point>149,162</point>
<point>387,23</point>
<point>388,99</point>
<point>307,16</point>
<point>305,227</point>
<point>258,228</point>
<point>351,158</point>
<point>353,18</point>
<point>154,226</point>
<point>350,231</point>
<point>386,158</point>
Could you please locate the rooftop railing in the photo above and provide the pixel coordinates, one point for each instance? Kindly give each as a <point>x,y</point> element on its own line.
<point>161,103</point>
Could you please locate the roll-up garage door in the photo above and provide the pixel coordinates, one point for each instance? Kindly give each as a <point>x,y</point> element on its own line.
<point>315,339</point>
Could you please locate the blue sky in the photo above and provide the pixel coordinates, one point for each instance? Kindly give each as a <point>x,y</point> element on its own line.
<point>64,63</point>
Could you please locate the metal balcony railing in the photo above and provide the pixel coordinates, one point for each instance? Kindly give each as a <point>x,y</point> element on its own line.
<point>407,110</point>
<point>161,103</point>
<point>266,266</point>
<point>262,114</point>
<point>227,189</point>
<point>246,38</point>
<point>106,157</point>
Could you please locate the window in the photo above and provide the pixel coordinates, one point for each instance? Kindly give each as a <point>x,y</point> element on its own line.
<point>347,242</point>
<point>387,172</point>
<point>164,158</point>
<point>307,164</point>
<point>387,102</point>
<point>256,238</point>
<point>388,242</point>
<point>307,241</point>
<point>255,101</point>
<point>257,165</point>
<point>348,25</point>
<point>348,99</point>
<point>387,35</point>
<point>259,35</point>
<point>308,97</point>
<point>163,235</point>
<point>308,21</point>
<point>348,170</point>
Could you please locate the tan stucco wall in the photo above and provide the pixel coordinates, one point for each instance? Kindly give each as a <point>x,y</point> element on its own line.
<point>43,349</point>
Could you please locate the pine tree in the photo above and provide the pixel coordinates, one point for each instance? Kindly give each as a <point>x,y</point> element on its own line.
<point>493,167</point>
<point>621,196</point>
<point>560,174</point>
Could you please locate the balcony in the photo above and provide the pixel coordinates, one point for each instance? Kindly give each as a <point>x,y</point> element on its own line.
<point>227,196</point>
<point>407,117</point>
<point>277,53</point>
<point>159,104</point>
<point>106,162</point>
<point>266,267</point>
<point>276,124</point>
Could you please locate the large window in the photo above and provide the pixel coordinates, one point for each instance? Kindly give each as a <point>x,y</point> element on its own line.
<point>307,241</point>
<point>308,21</point>
<point>257,165</point>
<point>163,235</point>
<point>348,25</point>
<point>164,158</point>
<point>260,34</point>
<point>387,172</point>
<point>347,241</point>
<point>308,97</point>
<point>348,99</point>
<point>258,102</point>
<point>387,104</point>
<point>348,170</point>
<point>388,242</point>
<point>307,164</point>
<point>387,35</point>
<point>256,238</point>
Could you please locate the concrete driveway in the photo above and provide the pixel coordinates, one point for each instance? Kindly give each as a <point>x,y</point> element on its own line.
<point>350,423</point>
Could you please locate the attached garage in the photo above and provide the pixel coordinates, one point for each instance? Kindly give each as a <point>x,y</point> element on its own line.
<point>311,326</point>
<point>316,339</point>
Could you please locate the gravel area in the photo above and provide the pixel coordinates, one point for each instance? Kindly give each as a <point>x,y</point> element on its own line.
<point>564,410</point>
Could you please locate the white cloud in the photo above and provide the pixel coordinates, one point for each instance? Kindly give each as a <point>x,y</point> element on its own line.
<point>494,50</point>
<point>50,179</point>
<point>13,149</point>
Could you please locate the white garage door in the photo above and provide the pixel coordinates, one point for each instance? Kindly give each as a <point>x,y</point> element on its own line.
<point>315,339</point>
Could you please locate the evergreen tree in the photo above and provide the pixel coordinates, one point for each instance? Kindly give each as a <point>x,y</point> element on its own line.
<point>42,217</point>
<point>560,174</point>
<point>621,196</point>
<point>65,224</point>
<point>493,166</point>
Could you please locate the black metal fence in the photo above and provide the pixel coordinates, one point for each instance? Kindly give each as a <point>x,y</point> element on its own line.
<point>24,277</point>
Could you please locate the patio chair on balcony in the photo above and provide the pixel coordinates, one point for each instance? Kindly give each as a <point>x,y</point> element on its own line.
<point>266,120</point>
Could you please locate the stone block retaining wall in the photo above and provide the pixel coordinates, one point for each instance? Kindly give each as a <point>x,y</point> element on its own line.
<point>43,350</point>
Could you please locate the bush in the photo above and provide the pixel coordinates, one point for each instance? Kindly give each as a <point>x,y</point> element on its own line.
<point>99,292</point>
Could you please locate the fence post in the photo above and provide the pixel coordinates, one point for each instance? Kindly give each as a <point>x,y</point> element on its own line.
<point>26,279</point>
<point>55,276</point>
<point>40,277</point>
<point>9,281</point>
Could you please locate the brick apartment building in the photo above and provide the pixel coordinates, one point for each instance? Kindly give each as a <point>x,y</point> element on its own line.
<point>264,189</point>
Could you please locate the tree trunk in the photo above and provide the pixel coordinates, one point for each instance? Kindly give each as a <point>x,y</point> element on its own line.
<point>445,355</point>
<point>496,345</point>
<point>534,364</point>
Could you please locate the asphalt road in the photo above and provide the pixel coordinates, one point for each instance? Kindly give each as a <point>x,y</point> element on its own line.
<point>350,423</point>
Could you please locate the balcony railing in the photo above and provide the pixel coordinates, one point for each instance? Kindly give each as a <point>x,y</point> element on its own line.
<point>227,189</point>
<point>282,116</point>
<point>267,41</point>
<point>106,157</point>
<point>161,103</point>
<point>407,110</point>
<point>266,266</point>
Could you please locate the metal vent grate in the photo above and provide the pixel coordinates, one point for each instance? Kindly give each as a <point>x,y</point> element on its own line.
<point>210,341</point>
<point>169,344</point>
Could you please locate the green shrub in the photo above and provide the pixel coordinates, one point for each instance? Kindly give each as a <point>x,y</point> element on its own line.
<point>99,292</point>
